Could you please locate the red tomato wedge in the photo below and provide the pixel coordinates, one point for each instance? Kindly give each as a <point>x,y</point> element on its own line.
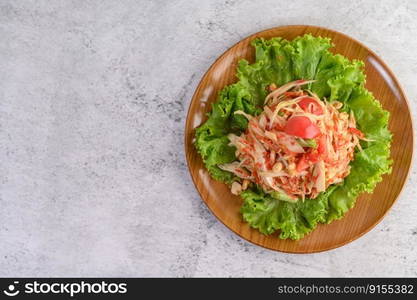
<point>309,104</point>
<point>302,127</point>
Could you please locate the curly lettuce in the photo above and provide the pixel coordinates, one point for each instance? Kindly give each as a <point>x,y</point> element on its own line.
<point>279,61</point>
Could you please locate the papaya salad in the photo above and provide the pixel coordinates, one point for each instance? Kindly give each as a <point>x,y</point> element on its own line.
<point>298,136</point>
<point>297,147</point>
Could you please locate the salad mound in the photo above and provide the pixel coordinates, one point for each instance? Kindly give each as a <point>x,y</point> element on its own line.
<point>298,136</point>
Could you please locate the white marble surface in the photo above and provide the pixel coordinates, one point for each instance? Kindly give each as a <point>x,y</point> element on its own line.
<point>93,178</point>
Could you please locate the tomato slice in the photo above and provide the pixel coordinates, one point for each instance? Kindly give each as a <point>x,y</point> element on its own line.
<point>302,127</point>
<point>309,104</point>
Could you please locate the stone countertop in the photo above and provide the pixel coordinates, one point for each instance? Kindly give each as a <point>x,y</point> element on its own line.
<point>93,177</point>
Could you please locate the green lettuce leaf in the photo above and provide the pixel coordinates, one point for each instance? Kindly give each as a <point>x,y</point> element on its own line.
<point>337,78</point>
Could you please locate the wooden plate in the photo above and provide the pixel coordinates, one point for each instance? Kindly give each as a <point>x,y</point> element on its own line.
<point>369,208</point>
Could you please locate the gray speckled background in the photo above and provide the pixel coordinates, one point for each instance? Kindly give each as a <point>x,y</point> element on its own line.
<point>93,178</point>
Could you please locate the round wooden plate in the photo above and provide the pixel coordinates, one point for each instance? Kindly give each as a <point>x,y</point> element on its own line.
<point>369,208</point>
